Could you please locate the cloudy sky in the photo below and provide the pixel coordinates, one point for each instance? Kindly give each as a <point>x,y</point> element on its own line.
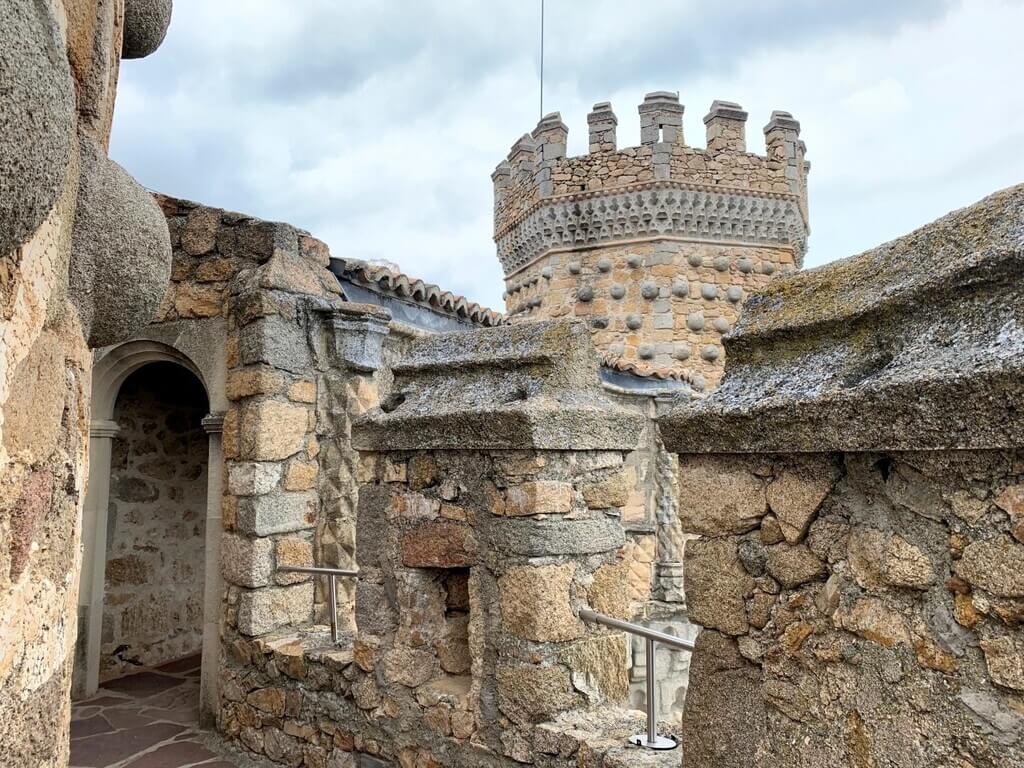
<point>375,124</point>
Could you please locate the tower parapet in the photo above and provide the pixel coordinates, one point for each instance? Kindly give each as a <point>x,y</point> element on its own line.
<point>656,244</point>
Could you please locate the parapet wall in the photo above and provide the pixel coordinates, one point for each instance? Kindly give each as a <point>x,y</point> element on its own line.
<point>772,207</point>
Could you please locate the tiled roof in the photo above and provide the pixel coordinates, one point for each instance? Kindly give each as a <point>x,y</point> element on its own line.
<point>386,280</point>
<point>623,365</point>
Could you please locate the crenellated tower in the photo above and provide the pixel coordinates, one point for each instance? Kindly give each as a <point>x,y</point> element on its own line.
<point>655,245</point>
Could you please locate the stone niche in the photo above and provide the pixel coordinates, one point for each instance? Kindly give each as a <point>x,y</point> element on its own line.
<point>857,484</point>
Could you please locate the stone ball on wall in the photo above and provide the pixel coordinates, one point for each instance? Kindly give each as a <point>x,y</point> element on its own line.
<point>37,114</point>
<point>649,289</point>
<point>585,293</point>
<point>721,324</point>
<point>695,321</point>
<point>634,260</point>
<point>599,322</point>
<point>695,260</point>
<point>574,267</point>
<point>709,291</point>
<point>645,351</point>
<point>745,265</point>
<point>120,250</point>
<point>617,291</point>
<point>604,265</point>
<point>634,322</point>
<point>767,267</point>
<point>735,293</point>
<point>681,351</point>
<point>722,263</point>
<point>145,26</point>
<point>680,289</point>
<point>546,273</point>
<point>710,353</point>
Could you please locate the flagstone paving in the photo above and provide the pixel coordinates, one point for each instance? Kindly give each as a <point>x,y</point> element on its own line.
<point>148,720</point>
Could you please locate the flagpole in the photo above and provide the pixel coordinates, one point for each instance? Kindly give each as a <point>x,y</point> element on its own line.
<point>542,59</point>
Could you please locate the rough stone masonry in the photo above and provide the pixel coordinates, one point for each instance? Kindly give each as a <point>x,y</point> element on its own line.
<point>84,260</point>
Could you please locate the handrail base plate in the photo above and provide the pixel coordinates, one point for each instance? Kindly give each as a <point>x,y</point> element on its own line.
<point>660,742</point>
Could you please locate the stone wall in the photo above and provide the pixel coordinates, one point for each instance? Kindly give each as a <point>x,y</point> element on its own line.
<point>83,261</point>
<point>479,535</point>
<point>153,602</point>
<point>856,482</point>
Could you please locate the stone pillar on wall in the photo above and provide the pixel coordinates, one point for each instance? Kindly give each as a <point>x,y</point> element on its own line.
<point>94,541</point>
<point>209,702</point>
<point>858,575</point>
<point>488,516</point>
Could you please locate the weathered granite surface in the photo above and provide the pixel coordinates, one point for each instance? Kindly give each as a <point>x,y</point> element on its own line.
<point>915,344</point>
<point>530,384</point>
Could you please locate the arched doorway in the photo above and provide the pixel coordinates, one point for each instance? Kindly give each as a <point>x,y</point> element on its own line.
<point>150,585</point>
<point>156,521</point>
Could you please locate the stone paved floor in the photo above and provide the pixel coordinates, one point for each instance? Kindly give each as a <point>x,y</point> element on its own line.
<point>147,720</point>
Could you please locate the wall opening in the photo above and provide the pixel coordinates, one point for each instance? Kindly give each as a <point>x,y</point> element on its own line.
<point>156,520</point>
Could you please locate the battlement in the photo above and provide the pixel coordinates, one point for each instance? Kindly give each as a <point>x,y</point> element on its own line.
<point>538,169</point>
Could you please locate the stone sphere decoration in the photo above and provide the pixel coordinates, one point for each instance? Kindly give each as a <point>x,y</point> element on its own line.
<point>710,353</point>
<point>645,351</point>
<point>634,260</point>
<point>734,294</point>
<point>120,250</point>
<point>599,322</point>
<point>617,291</point>
<point>604,265</point>
<point>695,321</point>
<point>634,322</point>
<point>649,289</point>
<point>681,351</point>
<point>745,265</point>
<point>37,114</point>
<point>722,263</point>
<point>680,289</point>
<point>767,268</point>
<point>709,291</point>
<point>721,324</point>
<point>546,273</point>
<point>695,260</point>
<point>574,267</point>
<point>585,293</point>
<point>145,26</point>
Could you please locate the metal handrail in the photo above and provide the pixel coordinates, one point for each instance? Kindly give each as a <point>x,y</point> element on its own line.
<point>332,575</point>
<point>651,740</point>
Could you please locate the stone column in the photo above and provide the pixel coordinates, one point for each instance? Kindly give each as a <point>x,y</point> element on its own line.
<point>493,481</point>
<point>208,684</point>
<point>94,543</point>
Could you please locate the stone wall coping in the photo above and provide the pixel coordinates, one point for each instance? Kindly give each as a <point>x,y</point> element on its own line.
<point>915,345</point>
<point>532,385</point>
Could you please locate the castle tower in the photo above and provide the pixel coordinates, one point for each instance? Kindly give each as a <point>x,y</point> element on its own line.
<point>656,245</point>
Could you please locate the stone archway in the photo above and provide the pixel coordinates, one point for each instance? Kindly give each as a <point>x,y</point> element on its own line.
<point>115,370</point>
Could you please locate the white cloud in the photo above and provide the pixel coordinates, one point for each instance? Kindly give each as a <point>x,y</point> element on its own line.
<point>376,124</point>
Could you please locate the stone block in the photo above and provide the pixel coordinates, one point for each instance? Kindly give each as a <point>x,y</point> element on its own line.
<point>535,602</point>
<point>276,341</point>
<point>254,380</point>
<point>794,564</point>
<point>1004,658</point>
<point>302,391</point>
<point>252,478</point>
<point>612,491</point>
<point>408,666</point>
<point>245,561</point>
<point>300,475</point>
<point>719,495</point>
<point>599,668</point>
<point>716,585</point>
<point>609,591</point>
<point>879,559</point>
<point>531,694</point>
<point>995,565</point>
<point>292,551</point>
<point>263,610</point>
<point>274,513</point>
<point>537,538</point>
<point>873,620</point>
<point>441,544</point>
<point>272,430</point>
<point>796,493</point>
<point>538,497</point>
